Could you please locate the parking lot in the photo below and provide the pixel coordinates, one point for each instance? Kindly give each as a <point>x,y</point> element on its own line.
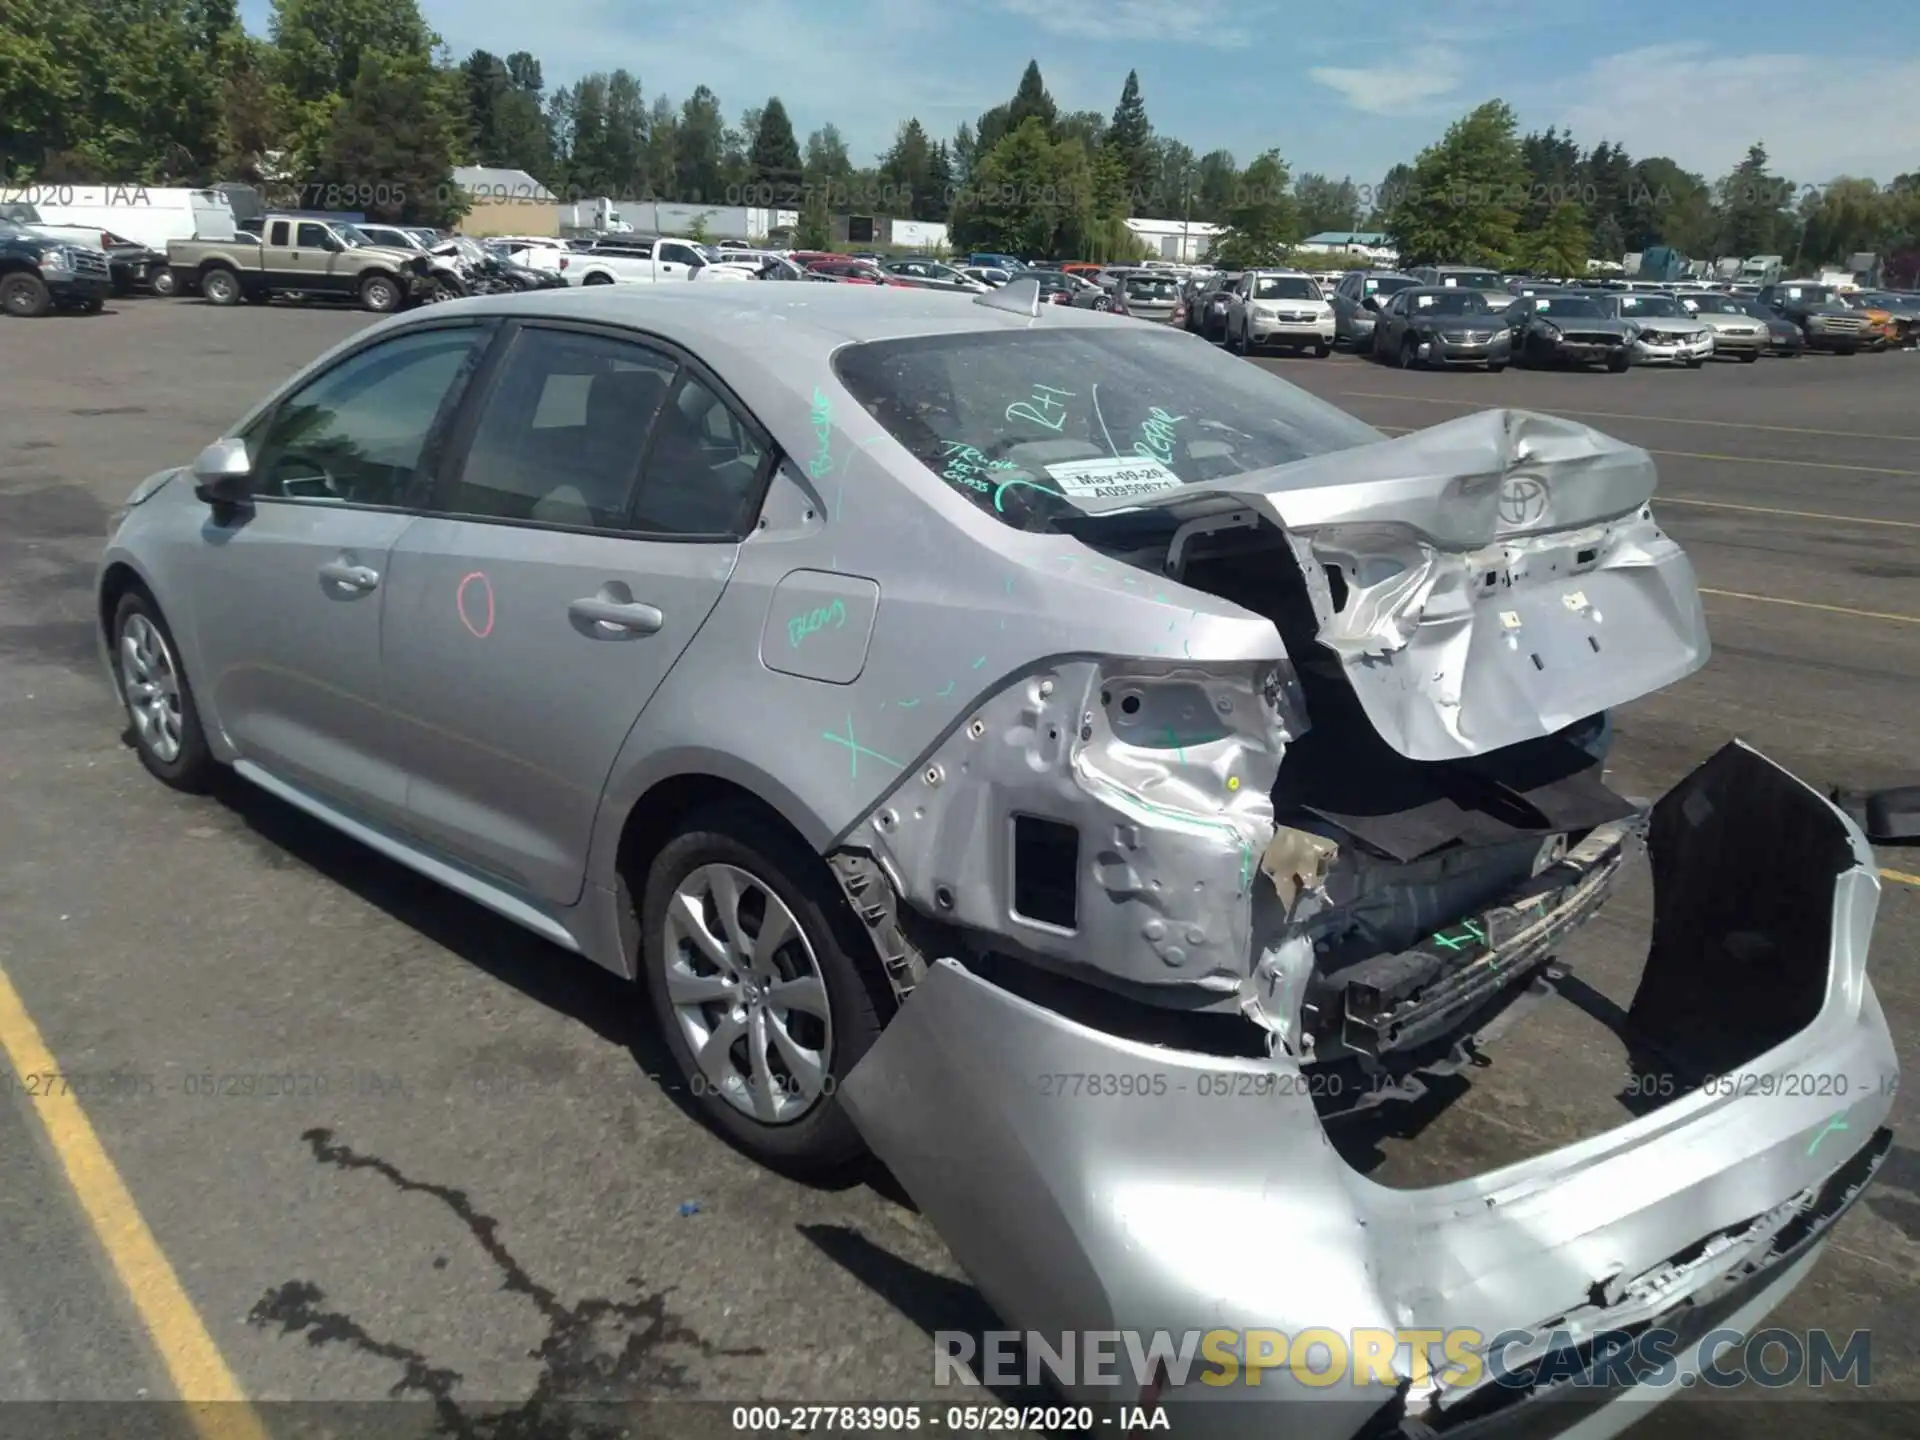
<point>481,1191</point>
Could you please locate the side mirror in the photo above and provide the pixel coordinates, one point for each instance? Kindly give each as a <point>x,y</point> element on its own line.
<point>223,475</point>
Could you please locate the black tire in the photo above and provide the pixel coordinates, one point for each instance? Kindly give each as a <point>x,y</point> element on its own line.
<point>1321,352</point>
<point>1696,362</point>
<point>1409,354</point>
<point>1747,357</point>
<point>381,294</point>
<point>24,295</point>
<point>92,305</point>
<point>859,999</point>
<point>1496,367</point>
<point>164,282</point>
<point>221,286</point>
<point>598,280</point>
<point>193,768</point>
<point>1236,344</point>
<point>1619,364</point>
<point>1847,350</point>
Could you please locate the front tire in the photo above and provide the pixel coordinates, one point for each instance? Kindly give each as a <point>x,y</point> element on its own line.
<point>1321,352</point>
<point>1748,357</point>
<point>164,282</point>
<point>763,986</point>
<point>1496,367</point>
<point>379,294</point>
<point>1409,354</point>
<point>1618,364</point>
<point>25,296</point>
<point>153,687</point>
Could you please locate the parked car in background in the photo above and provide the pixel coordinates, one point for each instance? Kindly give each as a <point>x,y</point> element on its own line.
<point>1735,331</point>
<point>1904,308</point>
<point>1279,309</point>
<point>39,273</point>
<point>1784,338</point>
<point>1353,319</point>
<point>992,276</point>
<point>1826,324</point>
<point>1442,327</point>
<point>1883,324</point>
<point>305,259</point>
<point>1569,328</point>
<point>1665,332</point>
<point>989,260</point>
<point>150,216</point>
<point>1207,309</point>
<point>849,271</point>
<point>1144,295</point>
<point>934,275</point>
<point>1464,277</point>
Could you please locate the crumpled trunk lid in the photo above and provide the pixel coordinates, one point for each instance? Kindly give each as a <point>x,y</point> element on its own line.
<point>1483,582</point>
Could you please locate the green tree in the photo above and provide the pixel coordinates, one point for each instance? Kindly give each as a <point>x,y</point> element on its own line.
<point>1847,216</point>
<point>1667,205</point>
<point>391,145</point>
<point>663,150</point>
<point>1130,135</point>
<point>1554,174</point>
<point>1216,180</point>
<point>906,170</point>
<point>1753,202</point>
<point>1462,201</point>
<point>1029,198</point>
<point>1262,221</point>
<point>318,49</point>
<point>1326,204</point>
<point>1172,190</point>
<point>815,230</point>
<point>1031,101</point>
<point>1558,246</point>
<point>935,204</point>
<point>775,157</point>
<point>699,149</point>
<point>1606,190</point>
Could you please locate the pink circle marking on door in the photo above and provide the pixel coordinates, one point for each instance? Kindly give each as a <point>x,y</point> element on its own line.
<point>481,631</point>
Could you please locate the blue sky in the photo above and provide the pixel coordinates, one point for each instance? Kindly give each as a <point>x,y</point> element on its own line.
<point>1341,88</point>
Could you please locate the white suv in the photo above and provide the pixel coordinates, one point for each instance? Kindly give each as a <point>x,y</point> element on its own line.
<point>1279,307</point>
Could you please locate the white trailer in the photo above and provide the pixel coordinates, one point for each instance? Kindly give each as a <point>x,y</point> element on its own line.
<point>149,216</point>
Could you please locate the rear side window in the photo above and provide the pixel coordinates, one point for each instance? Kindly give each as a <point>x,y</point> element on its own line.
<point>563,431</point>
<point>1030,424</point>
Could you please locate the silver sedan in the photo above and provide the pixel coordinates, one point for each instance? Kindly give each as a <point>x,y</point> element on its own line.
<point>936,705</point>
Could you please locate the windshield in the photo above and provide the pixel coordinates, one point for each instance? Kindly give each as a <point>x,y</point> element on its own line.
<point>351,236</point>
<point>1023,423</point>
<point>1146,287</point>
<point>1473,280</point>
<point>1583,306</point>
<point>1285,287</point>
<point>20,213</point>
<point>1451,302</point>
<point>1389,286</point>
<point>1808,294</point>
<point>1712,305</point>
<point>1651,307</point>
<point>8,228</point>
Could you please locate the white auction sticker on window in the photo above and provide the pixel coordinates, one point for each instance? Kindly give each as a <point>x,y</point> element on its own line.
<point>1112,479</point>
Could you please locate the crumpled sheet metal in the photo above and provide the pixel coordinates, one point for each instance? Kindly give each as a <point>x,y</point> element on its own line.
<point>1174,1209</point>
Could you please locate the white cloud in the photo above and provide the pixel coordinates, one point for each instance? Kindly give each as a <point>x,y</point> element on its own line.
<point>1212,23</point>
<point>1820,116</point>
<point>1409,86</point>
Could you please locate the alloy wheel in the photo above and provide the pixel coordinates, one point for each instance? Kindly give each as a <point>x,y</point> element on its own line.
<point>748,994</point>
<point>151,681</point>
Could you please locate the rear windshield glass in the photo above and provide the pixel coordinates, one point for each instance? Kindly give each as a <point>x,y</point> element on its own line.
<point>1026,423</point>
<point>1145,287</point>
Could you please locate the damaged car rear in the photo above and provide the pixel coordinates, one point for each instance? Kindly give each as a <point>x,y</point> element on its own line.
<point>1175,905</point>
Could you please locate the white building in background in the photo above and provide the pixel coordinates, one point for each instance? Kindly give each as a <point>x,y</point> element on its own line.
<point>1182,241</point>
<point>1368,245</point>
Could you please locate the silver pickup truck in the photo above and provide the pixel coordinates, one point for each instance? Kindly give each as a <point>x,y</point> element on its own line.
<point>300,258</point>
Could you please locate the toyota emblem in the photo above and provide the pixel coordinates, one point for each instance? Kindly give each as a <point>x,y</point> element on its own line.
<point>1522,501</point>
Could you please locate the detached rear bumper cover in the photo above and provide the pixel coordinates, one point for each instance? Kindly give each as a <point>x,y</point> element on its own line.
<point>1168,1211</point>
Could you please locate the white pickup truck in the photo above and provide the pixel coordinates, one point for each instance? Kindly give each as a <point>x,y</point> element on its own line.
<point>625,261</point>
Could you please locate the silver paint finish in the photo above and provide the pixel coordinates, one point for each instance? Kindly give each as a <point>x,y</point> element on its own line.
<point>820,626</point>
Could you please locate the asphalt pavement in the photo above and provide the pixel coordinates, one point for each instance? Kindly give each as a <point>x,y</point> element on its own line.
<point>355,1139</point>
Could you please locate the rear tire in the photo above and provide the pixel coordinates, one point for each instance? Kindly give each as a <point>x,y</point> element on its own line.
<point>598,280</point>
<point>221,286</point>
<point>723,987</point>
<point>164,721</point>
<point>25,296</point>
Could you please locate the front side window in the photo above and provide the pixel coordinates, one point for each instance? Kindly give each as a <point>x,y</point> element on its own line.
<point>310,236</point>
<point>1026,423</point>
<point>563,432</point>
<point>358,433</point>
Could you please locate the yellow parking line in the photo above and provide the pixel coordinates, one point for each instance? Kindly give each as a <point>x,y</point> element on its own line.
<point>1813,605</point>
<point>1901,876</point>
<point>200,1376</point>
<point>1649,419</point>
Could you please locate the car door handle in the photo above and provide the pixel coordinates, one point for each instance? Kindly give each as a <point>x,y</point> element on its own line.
<point>617,615</point>
<point>354,577</point>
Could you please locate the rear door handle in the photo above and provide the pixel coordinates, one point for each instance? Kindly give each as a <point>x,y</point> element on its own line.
<point>352,576</point>
<point>616,615</point>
